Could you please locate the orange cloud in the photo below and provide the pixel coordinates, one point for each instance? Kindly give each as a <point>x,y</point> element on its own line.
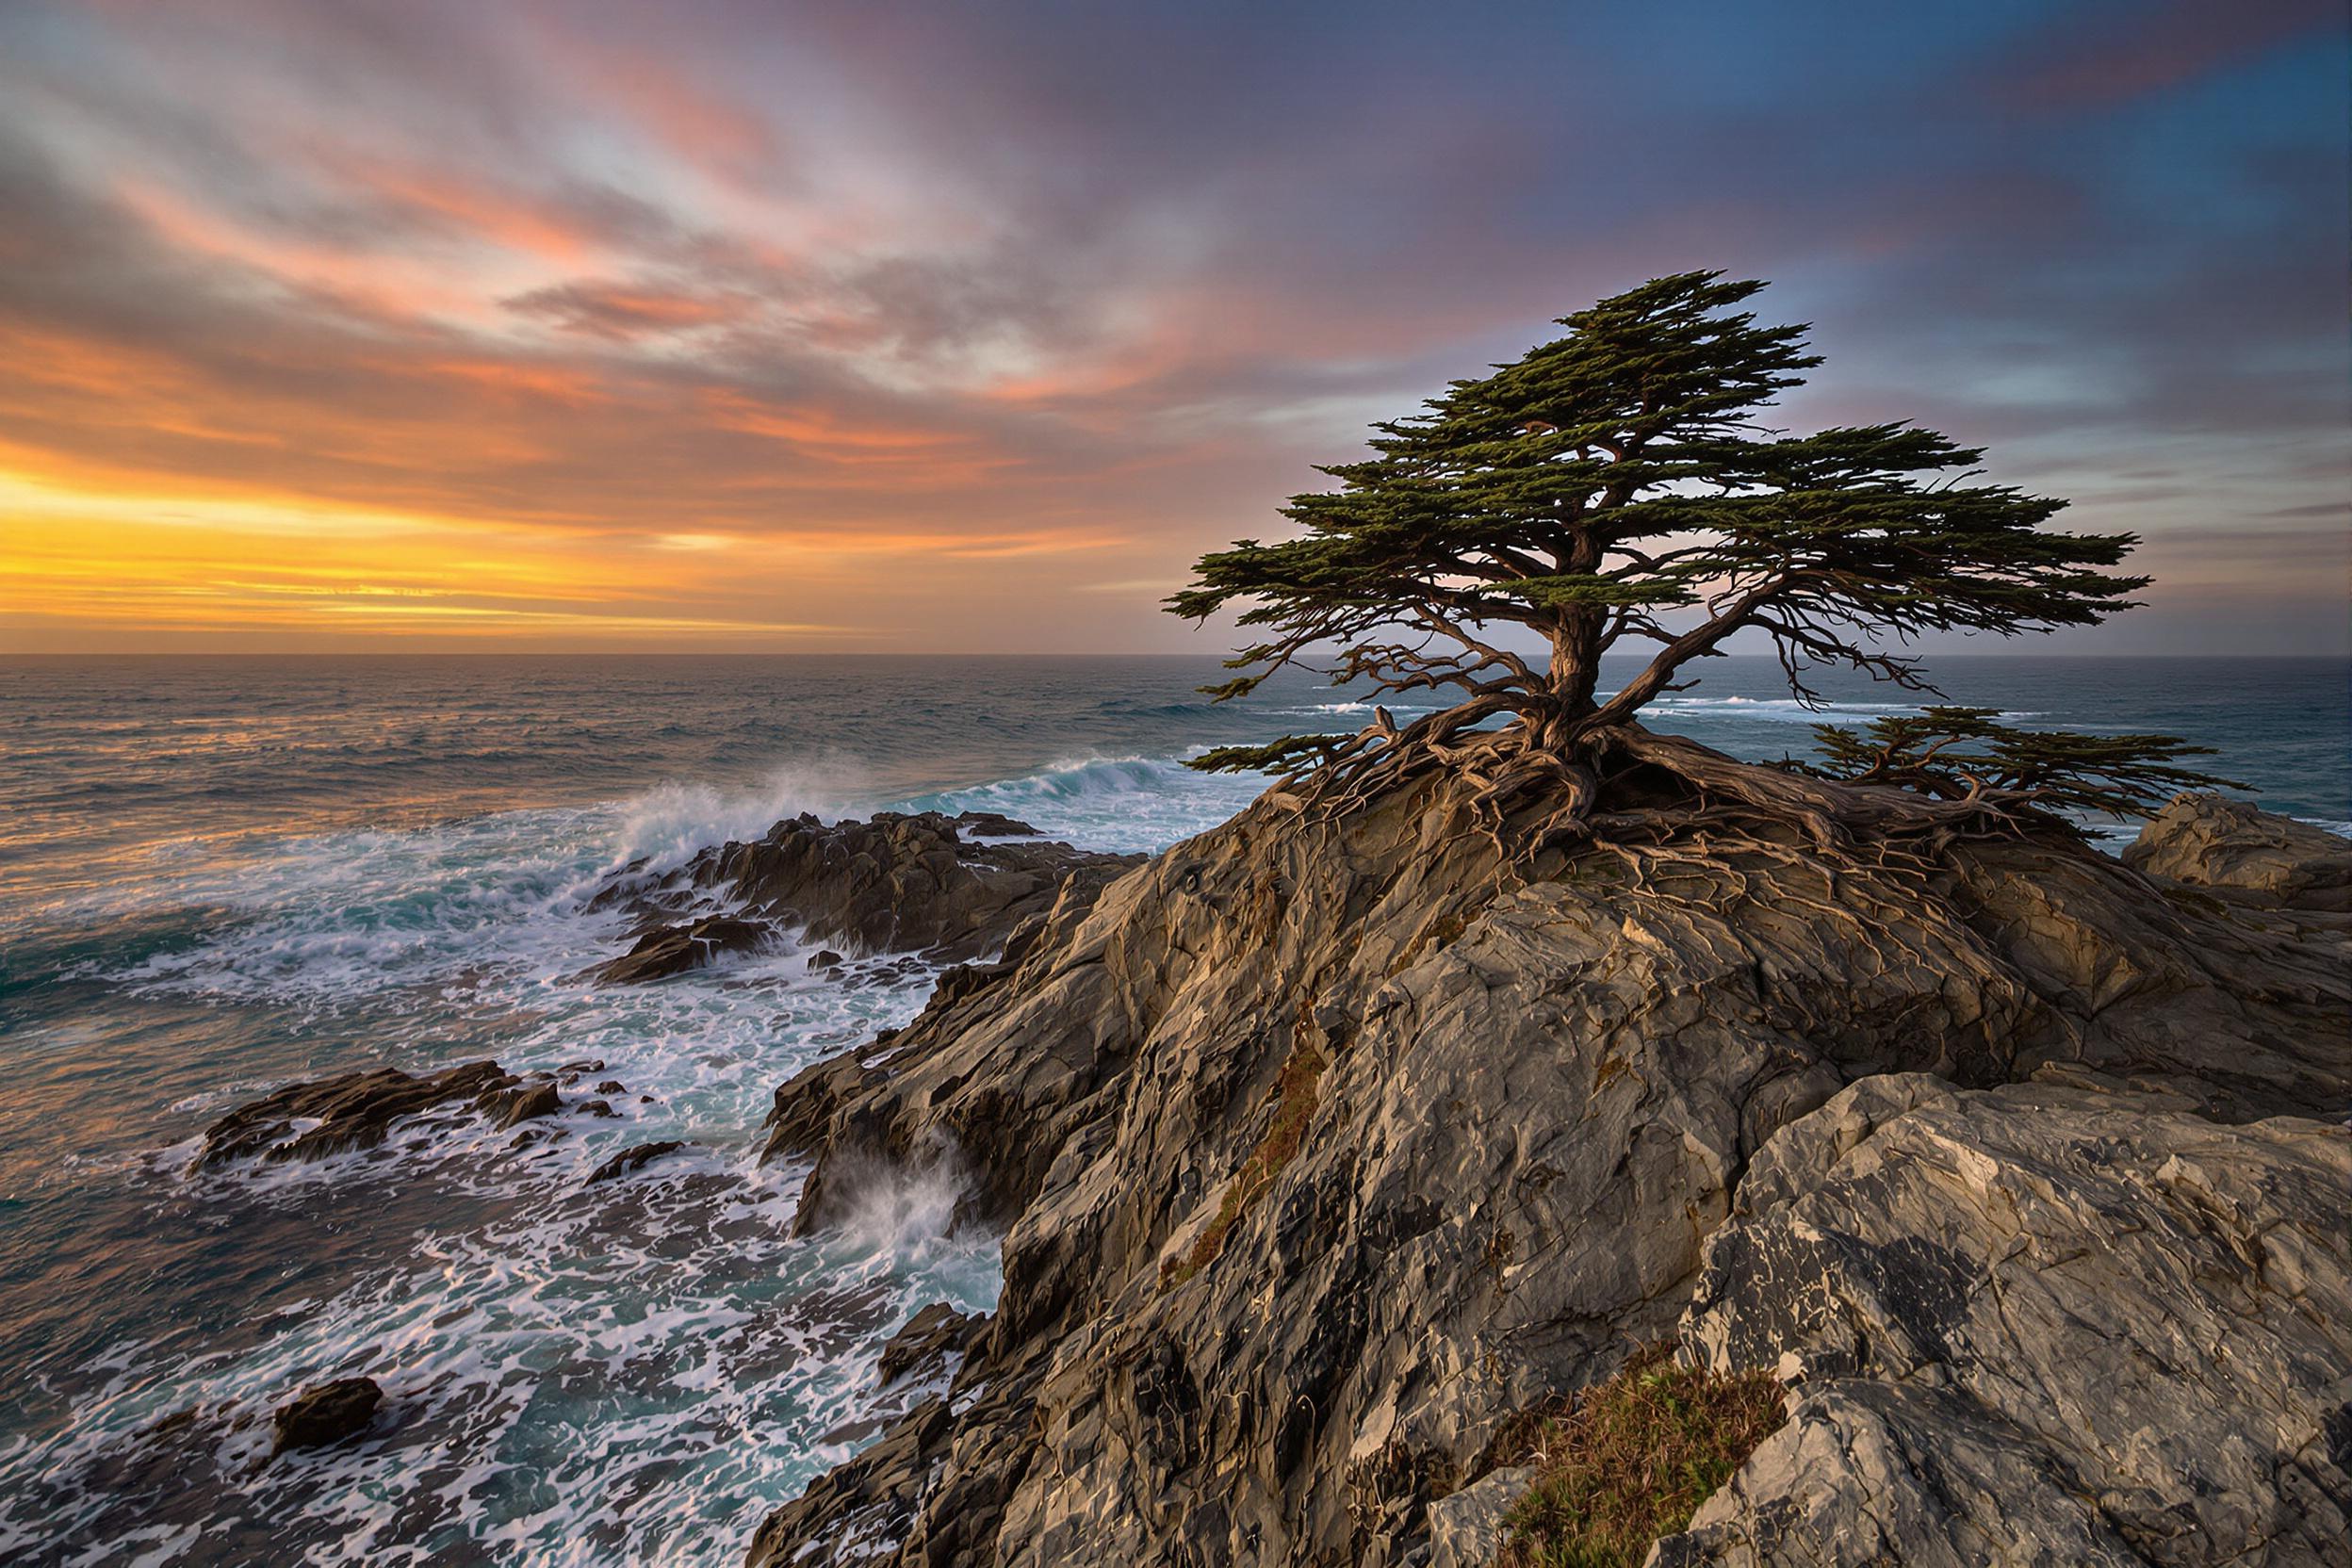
<point>509,218</point>
<point>393,286</point>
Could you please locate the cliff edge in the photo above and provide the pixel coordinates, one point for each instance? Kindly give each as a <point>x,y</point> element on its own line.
<point>1321,1154</point>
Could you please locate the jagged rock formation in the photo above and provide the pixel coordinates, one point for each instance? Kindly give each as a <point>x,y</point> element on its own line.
<point>893,884</point>
<point>932,1341</point>
<point>352,1110</point>
<point>1322,1152</point>
<point>320,1116</point>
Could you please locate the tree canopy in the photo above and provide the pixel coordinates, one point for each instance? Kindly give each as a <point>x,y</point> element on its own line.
<point>1616,490</point>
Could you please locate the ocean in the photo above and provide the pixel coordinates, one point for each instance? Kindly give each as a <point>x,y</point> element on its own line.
<point>218,875</point>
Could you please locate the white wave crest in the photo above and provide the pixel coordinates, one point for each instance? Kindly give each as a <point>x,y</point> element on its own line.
<point>669,822</point>
<point>1119,803</point>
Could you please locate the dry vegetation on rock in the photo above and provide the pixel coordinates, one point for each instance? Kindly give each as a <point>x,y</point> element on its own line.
<point>1634,1458</point>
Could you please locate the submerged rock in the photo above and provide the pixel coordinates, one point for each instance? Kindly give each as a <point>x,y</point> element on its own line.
<point>1321,1155</point>
<point>353,1110</point>
<point>325,1413</point>
<point>633,1158</point>
<point>895,883</point>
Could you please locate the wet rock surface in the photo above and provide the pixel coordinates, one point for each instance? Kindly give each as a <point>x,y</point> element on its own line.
<point>355,1110</point>
<point>948,888</point>
<point>527,1103</point>
<point>667,950</point>
<point>325,1413</point>
<point>323,1116</point>
<point>635,1158</point>
<point>930,1339</point>
<point>1322,1154</point>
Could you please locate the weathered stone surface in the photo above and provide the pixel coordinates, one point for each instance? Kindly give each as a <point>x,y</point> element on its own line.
<point>528,1102</point>
<point>355,1110</point>
<point>1467,1527</point>
<point>2208,840</point>
<point>895,883</point>
<point>635,1157</point>
<point>925,1344</point>
<point>668,950</point>
<point>325,1413</point>
<point>2034,1324</point>
<point>1527,1103</point>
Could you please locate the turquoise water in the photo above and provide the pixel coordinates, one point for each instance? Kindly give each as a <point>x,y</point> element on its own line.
<point>216,875</point>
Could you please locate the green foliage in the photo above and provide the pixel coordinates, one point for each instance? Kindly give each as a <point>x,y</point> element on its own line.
<point>1287,755</point>
<point>1952,752</point>
<point>1634,1458</point>
<point>1613,487</point>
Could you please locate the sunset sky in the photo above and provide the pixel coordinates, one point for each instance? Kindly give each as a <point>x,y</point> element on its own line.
<point>739,325</point>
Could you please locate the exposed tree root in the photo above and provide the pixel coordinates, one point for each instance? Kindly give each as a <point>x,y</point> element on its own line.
<point>1626,786</point>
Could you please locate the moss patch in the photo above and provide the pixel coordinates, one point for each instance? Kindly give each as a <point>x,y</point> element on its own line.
<point>1633,1458</point>
<point>1294,1106</point>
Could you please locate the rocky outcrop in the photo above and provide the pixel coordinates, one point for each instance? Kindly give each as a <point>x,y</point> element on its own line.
<point>1322,1152</point>
<point>666,950</point>
<point>930,1342</point>
<point>353,1110</point>
<point>2212,841</point>
<point>2034,1324</point>
<point>350,1111</point>
<point>948,888</point>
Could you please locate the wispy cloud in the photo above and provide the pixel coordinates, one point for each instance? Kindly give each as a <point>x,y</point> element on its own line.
<point>813,324</point>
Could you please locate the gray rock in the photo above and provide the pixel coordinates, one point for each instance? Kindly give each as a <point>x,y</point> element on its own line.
<point>2036,1325</point>
<point>1467,1527</point>
<point>1513,1105</point>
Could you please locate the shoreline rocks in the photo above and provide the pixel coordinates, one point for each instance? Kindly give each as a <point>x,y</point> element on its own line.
<point>635,1158</point>
<point>353,1110</point>
<point>2095,1325</point>
<point>946,889</point>
<point>319,1118</point>
<point>2230,848</point>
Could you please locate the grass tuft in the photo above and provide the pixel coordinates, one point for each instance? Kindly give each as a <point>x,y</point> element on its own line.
<point>1633,1458</point>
